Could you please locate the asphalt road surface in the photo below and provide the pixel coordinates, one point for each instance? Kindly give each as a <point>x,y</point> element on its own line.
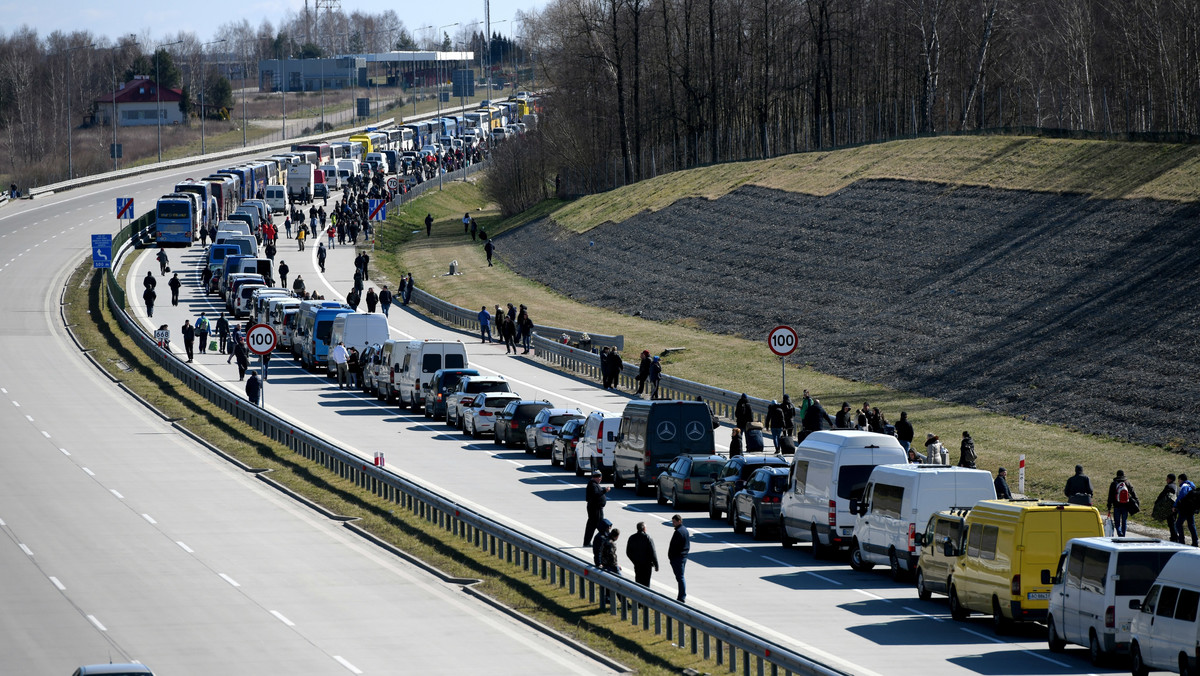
<point>121,539</point>
<point>860,622</point>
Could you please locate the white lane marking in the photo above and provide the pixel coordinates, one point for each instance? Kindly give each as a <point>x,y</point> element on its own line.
<point>822,577</point>
<point>93,620</point>
<point>874,596</point>
<point>184,547</point>
<point>230,580</point>
<point>514,462</point>
<point>927,616</point>
<point>564,481</point>
<point>57,583</point>
<point>116,493</point>
<point>1032,653</point>
<point>342,661</point>
<point>2,523</point>
<point>29,418</point>
<point>65,451</point>
<point>45,434</point>
<point>283,619</point>
<point>775,561</point>
<point>27,550</point>
<point>3,391</point>
<point>16,404</point>
<point>89,472</point>
<point>149,518</point>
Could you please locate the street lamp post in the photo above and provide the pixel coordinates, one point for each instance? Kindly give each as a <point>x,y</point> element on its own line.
<point>203,86</point>
<point>70,164</point>
<point>437,70</point>
<point>158,94</point>
<point>243,50</point>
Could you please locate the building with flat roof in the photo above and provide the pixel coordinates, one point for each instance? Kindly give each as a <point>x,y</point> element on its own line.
<point>386,69</point>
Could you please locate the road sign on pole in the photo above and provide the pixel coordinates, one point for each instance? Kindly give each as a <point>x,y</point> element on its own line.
<point>101,251</point>
<point>261,339</point>
<point>782,340</point>
<point>393,184</point>
<point>377,210</point>
<point>124,207</point>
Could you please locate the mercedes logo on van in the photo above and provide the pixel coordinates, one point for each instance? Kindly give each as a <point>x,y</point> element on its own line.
<point>666,430</point>
<point>695,431</point>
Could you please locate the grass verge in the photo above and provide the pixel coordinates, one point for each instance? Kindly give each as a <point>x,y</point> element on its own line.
<point>745,364</point>
<point>1097,168</point>
<point>97,329</point>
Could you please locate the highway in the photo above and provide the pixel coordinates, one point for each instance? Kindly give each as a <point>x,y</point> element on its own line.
<point>121,539</point>
<point>860,622</point>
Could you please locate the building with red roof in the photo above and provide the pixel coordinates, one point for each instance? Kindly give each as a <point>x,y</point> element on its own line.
<point>139,102</point>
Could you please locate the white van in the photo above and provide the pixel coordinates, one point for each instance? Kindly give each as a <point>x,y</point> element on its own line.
<point>382,160</point>
<point>260,303</point>
<point>419,360</point>
<point>231,229</point>
<point>830,468</point>
<point>331,176</point>
<point>1164,633</point>
<point>276,307</point>
<point>287,326</point>
<point>359,330</point>
<point>350,166</point>
<point>597,444</point>
<point>898,500</point>
<point>276,198</point>
<point>1094,585</point>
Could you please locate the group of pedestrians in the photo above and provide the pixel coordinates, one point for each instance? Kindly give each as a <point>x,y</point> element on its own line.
<point>603,538</point>
<point>1176,503</point>
<point>513,327</point>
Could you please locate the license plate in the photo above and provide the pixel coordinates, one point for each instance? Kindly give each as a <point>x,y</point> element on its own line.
<point>1038,596</point>
<point>847,531</point>
<point>664,465</point>
<point>705,486</point>
<point>1125,626</point>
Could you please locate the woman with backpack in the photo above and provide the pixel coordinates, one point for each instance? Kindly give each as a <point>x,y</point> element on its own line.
<point>1122,501</point>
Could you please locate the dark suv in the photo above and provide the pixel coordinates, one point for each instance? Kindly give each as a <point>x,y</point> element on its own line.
<point>512,421</point>
<point>732,478</point>
<point>434,390</point>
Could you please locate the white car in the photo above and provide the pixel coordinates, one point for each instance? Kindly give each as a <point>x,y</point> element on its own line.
<point>480,417</point>
<point>467,388</point>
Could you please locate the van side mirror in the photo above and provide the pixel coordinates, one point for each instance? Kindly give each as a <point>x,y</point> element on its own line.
<point>1135,604</point>
<point>712,475</point>
<point>611,436</point>
<point>620,436</point>
<point>854,506</point>
<point>716,423</point>
<point>948,548</point>
<point>1046,579</point>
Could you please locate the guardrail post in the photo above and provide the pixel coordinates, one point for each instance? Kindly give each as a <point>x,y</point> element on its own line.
<point>670,629</point>
<point>707,651</point>
<point>692,640</point>
<point>625,609</point>
<point>571,584</point>
<point>591,591</point>
<point>720,652</point>
<point>657,622</point>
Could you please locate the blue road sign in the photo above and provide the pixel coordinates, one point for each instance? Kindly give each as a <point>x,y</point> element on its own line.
<point>124,207</point>
<point>102,251</point>
<point>377,209</point>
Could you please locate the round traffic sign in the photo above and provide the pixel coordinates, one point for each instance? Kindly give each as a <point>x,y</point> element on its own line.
<point>261,339</point>
<point>394,183</point>
<point>782,340</point>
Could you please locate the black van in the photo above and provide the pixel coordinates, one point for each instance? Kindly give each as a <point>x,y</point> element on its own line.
<point>652,433</point>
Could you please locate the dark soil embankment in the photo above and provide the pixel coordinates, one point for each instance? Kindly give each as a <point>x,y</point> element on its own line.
<point>1060,308</point>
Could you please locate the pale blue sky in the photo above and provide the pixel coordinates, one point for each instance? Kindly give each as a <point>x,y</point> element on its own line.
<point>112,18</point>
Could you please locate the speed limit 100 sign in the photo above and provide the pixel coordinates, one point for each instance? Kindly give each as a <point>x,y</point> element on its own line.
<point>261,339</point>
<point>782,340</point>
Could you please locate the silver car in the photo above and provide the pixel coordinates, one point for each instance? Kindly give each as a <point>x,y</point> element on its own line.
<point>541,433</point>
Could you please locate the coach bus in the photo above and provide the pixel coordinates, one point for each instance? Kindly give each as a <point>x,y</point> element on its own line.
<point>175,220</point>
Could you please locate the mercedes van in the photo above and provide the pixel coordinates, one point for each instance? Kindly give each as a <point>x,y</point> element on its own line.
<point>652,433</point>
<point>1165,633</point>
<point>358,330</point>
<point>418,361</point>
<point>829,469</point>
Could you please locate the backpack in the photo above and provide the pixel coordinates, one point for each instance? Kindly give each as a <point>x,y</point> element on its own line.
<point>1187,504</point>
<point>202,324</point>
<point>1123,493</point>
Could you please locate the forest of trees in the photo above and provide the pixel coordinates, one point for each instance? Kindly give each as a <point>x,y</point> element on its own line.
<point>639,87</point>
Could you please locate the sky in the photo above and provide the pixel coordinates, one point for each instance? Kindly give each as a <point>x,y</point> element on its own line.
<point>112,18</point>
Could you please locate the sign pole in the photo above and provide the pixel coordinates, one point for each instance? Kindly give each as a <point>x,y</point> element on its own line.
<point>782,340</point>
<point>262,381</point>
<point>783,375</point>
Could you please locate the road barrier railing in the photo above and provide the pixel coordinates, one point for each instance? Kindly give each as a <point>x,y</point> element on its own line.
<point>690,629</point>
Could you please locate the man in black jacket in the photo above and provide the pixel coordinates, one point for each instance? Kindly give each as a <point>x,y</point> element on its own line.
<point>595,506</point>
<point>774,421</point>
<point>814,416</point>
<point>1121,502</point>
<point>677,554</point>
<point>643,372</point>
<point>743,415</point>
<point>615,366</point>
<point>1001,482</point>
<point>1079,488</point>
<point>904,431</point>
<point>789,415</point>
<point>640,550</point>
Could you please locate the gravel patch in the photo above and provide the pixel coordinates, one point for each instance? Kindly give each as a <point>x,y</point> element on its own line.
<point>1059,308</point>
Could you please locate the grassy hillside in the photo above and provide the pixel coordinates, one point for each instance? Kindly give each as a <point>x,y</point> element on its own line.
<point>1095,168</point>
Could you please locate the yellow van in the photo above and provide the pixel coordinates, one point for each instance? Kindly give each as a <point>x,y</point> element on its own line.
<point>1007,546</point>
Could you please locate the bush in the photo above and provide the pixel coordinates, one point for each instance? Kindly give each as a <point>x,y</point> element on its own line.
<point>517,176</point>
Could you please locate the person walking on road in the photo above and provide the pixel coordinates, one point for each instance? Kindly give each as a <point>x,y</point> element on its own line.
<point>485,325</point>
<point>966,451</point>
<point>655,376</point>
<point>283,273</point>
<point>408,289</point>
<point>643,373</point>
<point>242,356</point>
<point>594,493</point>
<point>149,295</point>
<point>254,389</point>
<point>743,415</point>
<point>1079,488</point>
<point>428,224</point>
<point>202,332</point>
<point>598,542</point>
<point>1001,482</point>
<point>489,249</point>
<point>1164,505</point>
<point>1185,509</point>
<point>385,301</point>
<point>774,421</point>
<point>223,332</point>
<point>321,253</point>
<point>175,284</point>
<point>640,550</point>
<point>341,362</point>
<point>677,554</point>
<point>789,415</point>
<point>615,366</point>
<point>300,237</point>
<point>298,286</point>
<point>1122,501</point>
<point>189,338</point>
<point>164,264</point>
<point>372,300</point>
<point>509,332</point>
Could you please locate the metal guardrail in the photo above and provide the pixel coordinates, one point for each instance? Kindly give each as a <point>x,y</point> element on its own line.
<point>721,402</point>
<point>688,628</point>
<point>469,320</point>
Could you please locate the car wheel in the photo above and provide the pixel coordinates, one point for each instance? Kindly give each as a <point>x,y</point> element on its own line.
<point>1185,666</point>
<point>475,433</point>
<point>618,480</point>
<point>640,487</point>
<point>1000,623</point>
<point>819,551</point>
<point>1137,664</point>
<point>675,503</point>
<point>554,461</point>
<point>756,530</point>
<point>570,464</point>
<point>662,499</point>
<point>579,472</point>
<point>923,592</point>
<point>1055,642</point>
<point>428,413</point>
<point>894,564</point>
<point>1096,651</point>
<point>957,611</point>
<point>731,512</point>
<point>713,512</point>
<point>857,562</point>
<point>738,526</point>
<point>784,538</point>
<point>497,440</point>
